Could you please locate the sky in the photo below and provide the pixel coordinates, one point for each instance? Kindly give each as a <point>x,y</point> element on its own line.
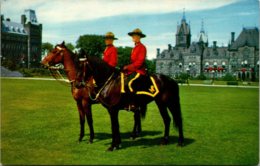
<point>68,19</point>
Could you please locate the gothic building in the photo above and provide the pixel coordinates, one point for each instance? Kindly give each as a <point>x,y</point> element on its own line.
<point>240,58</point>
<point>21,42</point>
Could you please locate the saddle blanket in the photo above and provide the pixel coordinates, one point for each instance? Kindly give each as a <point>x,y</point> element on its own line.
<point>141,85</point>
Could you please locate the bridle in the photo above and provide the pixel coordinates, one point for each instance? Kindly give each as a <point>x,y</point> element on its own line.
<point>54,70</point>
<point>85,65</point>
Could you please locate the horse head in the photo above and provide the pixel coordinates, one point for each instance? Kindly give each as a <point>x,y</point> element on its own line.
<point>60,54</point>
<point>55,56</point>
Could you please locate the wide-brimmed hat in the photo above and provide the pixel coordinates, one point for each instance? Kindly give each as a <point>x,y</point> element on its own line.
<point>138,32</point>
<point>110,35</point>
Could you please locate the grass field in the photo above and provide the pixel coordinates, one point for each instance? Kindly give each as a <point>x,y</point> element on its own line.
<point>39,125</point>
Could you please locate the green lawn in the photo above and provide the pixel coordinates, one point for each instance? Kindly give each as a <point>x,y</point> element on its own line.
<point>40,126</point>
<point>217,82</point>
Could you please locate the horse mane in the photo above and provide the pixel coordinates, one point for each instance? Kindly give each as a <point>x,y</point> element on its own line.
<point>100,69</point>
<point>73,56</point>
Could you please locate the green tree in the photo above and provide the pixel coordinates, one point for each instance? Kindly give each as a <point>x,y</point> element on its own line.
<point>123,56</point>
<point>93,45</point>
<point>47,47</point>
<point>150,65</point>
<point>70,46</point>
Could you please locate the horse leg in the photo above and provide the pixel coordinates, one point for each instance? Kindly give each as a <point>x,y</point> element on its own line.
<point>166,120</point>
<point>116,139</point>
<point>81,120</point>
<point>137,124</point>
<point>175,110</point>
<point>88,112</point>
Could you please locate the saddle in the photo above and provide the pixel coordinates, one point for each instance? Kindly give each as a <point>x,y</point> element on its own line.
<point>139,84</point>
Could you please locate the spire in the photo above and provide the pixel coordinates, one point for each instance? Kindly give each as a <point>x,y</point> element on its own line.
<point>202,27</point>
<point>203,37</point>
<point>183,16</point>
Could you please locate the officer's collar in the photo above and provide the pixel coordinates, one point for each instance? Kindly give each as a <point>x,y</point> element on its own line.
<point>109,45</point>
<point>137,43</point>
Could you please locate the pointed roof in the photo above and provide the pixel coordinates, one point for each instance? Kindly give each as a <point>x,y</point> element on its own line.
<point>184,26</point>
<point>202,36</point>
<point>183,16</point>
<point>202,26</point>
<point>248,37</point>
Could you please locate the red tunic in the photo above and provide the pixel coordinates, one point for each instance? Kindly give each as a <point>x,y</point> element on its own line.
<point>110,55</point>
<point>137,60</point>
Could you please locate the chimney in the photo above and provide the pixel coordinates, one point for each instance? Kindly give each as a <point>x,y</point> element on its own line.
<point>23,19</point>
<point>214,44</point>
<point>158,52</point>
<point>169,47</point>
<point>232,37</point>
<point>8,19</point>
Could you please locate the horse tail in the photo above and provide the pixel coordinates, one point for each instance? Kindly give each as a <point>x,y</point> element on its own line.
<point>173,102</point>
<point>143,110</point>
<point>174,105</point>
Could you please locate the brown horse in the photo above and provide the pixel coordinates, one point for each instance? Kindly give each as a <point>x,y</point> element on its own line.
<point>60,54</point>
<point>111,96</point>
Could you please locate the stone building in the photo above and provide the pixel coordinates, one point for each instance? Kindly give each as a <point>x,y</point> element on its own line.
<point>241,57</point>
<point>21,42</point>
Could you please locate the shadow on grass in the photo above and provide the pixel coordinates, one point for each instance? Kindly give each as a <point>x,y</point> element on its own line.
<point>150,142</point>
<point>104,136</point>
<point>141,141</point>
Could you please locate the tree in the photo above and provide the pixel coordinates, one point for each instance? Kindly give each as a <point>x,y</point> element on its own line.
<point>93,45</point>
<point>123,56</point>
<point>150,65</point>
<point>70,46</point>
<point>47,47</point>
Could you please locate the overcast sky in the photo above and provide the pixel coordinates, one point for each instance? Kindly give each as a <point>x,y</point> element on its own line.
<point>68,19</point>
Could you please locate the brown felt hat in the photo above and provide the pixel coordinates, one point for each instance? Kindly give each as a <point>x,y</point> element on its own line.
<point>138,32</point>
<point>110,35</point>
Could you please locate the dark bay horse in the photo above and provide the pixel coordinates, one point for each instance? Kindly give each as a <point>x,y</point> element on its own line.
<point>111,97</point>
<point>70,61</point>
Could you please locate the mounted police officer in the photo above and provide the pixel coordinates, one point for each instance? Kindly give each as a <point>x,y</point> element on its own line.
<point>136,68</point>
<point>138,54</point>
<point>110,53</point>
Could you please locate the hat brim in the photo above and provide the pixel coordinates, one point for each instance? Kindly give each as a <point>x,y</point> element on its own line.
<point>136,33</point>
<point>113,38</point>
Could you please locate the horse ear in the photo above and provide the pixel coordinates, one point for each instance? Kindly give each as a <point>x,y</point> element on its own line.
<point>63,43</point>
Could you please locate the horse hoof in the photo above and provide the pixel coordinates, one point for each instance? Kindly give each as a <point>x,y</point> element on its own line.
<point>164,141</point>
<point>112,148</point>
<point>90,141</point>
<point>180,144</point>
<point>133,136</point>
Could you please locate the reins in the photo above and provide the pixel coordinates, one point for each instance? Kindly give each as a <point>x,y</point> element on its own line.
<point>101,89</point>
<point>85,60</point>
<point>58,76</point>
<point>54,70</point>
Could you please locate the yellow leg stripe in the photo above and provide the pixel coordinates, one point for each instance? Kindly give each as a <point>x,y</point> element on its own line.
<point>122,83</point>
<point>130,82</point>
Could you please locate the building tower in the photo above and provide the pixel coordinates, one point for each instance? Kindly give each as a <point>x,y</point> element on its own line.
<point>203,38</point>
<point>34,30</point>
<point>183,34</point>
